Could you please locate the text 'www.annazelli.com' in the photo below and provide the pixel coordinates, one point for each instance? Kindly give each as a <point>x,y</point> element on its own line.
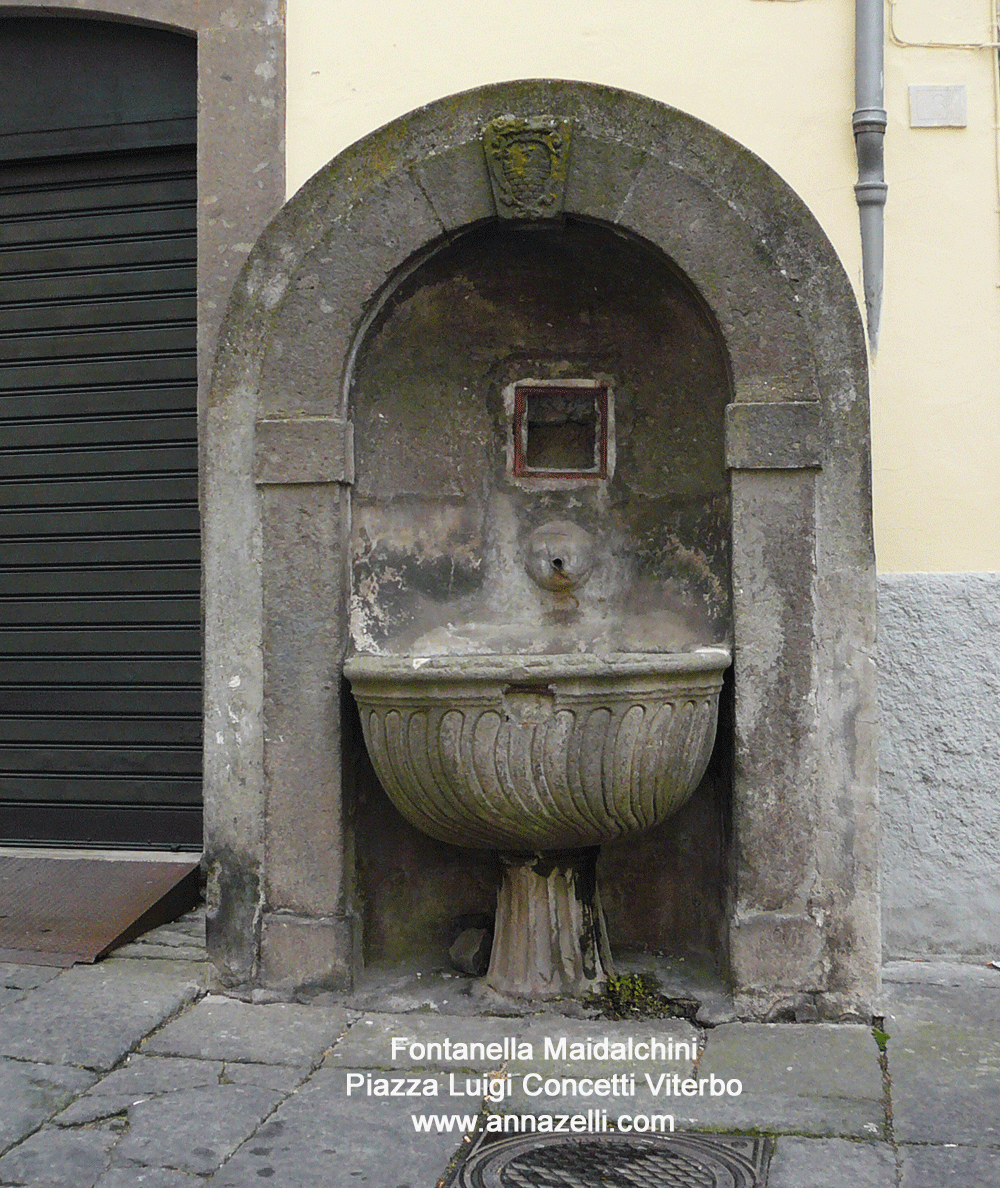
<point>591,1122</point>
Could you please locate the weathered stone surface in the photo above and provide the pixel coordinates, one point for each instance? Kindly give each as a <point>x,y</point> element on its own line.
<point>555,1064</point>
<point>297,951</point>
<point>470,951</point>
<point>321,1136</point>
<point>303,450</point>
<point>276,1033</point>
<point>534,777</point>
<point>777,435</point>
<point>283,1077</point>
<point>302,651</point>
<point>182,949</point>
<point>112,1005</point>
<point>944,1063</point>
<point>26,977</point>
<point>939,700</point>
<point>960,975</point>
<point>142,1077</point>
<point>601,175</point>
<point>769,344</point>
<point>320,297</point>
<point>821,1079</point>
<point>831,1163</point>
<point>146,1177</point>
<point>949,1166</point>
<point>369,1042</point>
<point>59,1158</point>
<point>457,184</point>
<point>32,1093</point>
<point>194,1130</point>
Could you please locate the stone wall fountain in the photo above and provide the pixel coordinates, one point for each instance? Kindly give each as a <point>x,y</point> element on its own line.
<point>535,406</point>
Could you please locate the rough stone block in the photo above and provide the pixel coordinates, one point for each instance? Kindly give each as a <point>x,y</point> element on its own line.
<point>147,1177</point>
<point>322,1136</point>
<point>141,1077</point>
<point>112,1005</point>
<point>821,1079</point>
<point>785,435</point>
<point>601,175</point>
<point>303,642</point>
<point>26,977</point>
<point>296,951</point>
<point>60,1158</point>
<point>194,1130</point>
<point>944,1063</point>
<point>831,1163</point>
<point>276,1033</point>
<point>458,185</point>
<point>780,952</point>
<point>304,450</point>
<point>31,1093</point>
<point>949,1166</point>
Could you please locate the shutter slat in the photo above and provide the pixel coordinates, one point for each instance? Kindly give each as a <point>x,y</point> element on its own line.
<point>82,789</point>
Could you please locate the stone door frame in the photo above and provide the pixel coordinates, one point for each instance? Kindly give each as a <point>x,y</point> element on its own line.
<point>803,902</point>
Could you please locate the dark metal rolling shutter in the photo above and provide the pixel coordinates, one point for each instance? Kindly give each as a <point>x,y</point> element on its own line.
<point>100,664</point>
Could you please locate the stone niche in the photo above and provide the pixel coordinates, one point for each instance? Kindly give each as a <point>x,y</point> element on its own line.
<point>561,312</point>
<point>426,356</point>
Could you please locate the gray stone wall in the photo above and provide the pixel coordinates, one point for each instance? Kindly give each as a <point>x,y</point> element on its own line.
<point>939,755</point>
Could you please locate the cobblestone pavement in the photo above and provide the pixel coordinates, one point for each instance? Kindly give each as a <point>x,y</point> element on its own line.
<point>133,1072</point>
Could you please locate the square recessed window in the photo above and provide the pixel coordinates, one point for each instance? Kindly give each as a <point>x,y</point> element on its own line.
<point>561,431</point>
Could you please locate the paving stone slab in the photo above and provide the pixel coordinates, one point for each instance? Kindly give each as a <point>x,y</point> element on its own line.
<point>167,952</point>
<point>949,1166</point>
<point>941,973</point>
<point>91,1015</point>
<point>147,1177</point>
<point>67,1158</point>
<point>813,1079</point>
<point>141,1077</point>
<point>944,1064</point>
<point>220,1028</point>
<point>931,1001</point>
<point>368,1044</point>
<point>194,1130</point>
<point>31,1093</point>
<point>26,977</point>
<point>831,1163</point>
<point>578,1077</point>
<point>177,935</point>
<point>9,994</point>
<point>284,1077</point>
<point>320,1138</point>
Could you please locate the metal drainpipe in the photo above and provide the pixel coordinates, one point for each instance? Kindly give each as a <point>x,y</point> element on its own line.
<point>869,135</point>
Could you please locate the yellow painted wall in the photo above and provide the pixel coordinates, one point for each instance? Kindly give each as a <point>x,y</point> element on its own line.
<point>936,381</point>
<point>777,76</point>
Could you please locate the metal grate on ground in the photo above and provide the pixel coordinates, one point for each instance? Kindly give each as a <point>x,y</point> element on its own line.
<point>615,1161</point>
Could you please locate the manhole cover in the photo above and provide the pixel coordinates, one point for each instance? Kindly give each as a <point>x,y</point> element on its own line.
<point>616,1161</point>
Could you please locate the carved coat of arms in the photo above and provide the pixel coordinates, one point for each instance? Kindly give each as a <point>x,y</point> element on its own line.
<point>528,162</point>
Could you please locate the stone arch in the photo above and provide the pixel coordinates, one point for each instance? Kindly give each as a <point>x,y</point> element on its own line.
<point>802,903</point>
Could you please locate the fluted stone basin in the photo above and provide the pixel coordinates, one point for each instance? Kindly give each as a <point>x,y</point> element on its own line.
<point>543,757</point>
<point>540,752</point>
